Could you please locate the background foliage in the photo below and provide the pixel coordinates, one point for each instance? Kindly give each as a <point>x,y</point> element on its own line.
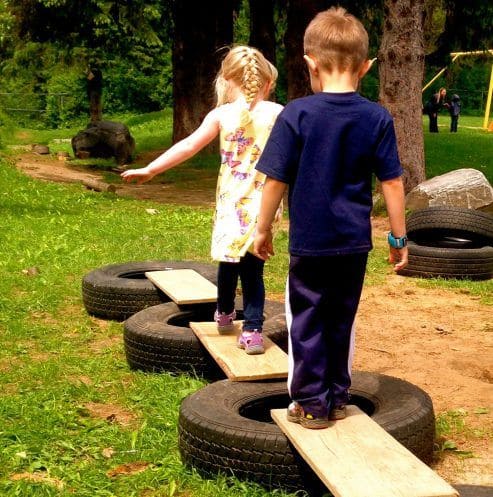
<point>46,47</point>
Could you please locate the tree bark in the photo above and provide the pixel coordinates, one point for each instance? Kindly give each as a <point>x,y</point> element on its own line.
<point>300,13</point>
<point>262,29</point>
<point>95,93</point>
<point>401,66</point>
<point>201,29</point>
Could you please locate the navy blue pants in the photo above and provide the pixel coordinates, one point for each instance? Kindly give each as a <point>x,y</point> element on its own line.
<point>250,270</point>
<point>322,298</point>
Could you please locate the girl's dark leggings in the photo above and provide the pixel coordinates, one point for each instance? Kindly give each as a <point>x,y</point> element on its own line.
<point>250,270</point>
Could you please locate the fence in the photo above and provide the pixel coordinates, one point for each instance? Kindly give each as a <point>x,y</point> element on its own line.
<point>32,103</point>
<point>22,106</point>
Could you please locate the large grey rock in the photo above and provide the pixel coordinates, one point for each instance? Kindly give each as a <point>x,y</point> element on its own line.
<point>104,139</point>
<point>466,188</point>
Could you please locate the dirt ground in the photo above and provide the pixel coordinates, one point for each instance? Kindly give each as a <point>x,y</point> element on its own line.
<point>440,340</point>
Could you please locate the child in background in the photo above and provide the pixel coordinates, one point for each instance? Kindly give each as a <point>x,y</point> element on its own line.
<point>243,118</point>
<point>326,147</point>
<point>454,109</point>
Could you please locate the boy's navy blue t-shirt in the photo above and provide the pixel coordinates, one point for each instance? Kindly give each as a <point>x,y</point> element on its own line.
<point>326,148</point>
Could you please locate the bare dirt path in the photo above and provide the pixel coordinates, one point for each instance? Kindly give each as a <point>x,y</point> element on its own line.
<point>438,339</point>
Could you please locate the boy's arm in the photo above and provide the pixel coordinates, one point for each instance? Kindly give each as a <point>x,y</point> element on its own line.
<point>272,194</point>
<point>393,192</point>
<point>179,152</point>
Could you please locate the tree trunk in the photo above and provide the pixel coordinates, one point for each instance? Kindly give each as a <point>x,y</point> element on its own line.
<point>300,13</point>
<point>401,66</point>
<point>200,30</point>
<point>262,29</point>
<point>94,93</point>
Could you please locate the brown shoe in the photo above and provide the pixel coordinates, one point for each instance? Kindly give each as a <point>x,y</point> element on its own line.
<point>296,414</point>
<point>339,412</point>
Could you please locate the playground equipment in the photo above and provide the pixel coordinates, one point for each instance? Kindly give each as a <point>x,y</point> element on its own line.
<point>380,465</point>
<point>455,56</point>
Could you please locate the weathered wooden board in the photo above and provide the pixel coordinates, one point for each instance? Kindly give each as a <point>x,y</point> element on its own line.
<point>235,362</point>
<point>355,457</point>
<point>184,286</point>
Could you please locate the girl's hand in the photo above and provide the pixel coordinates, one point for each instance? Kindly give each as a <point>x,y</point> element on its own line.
<point>139,175</point>
<point>398,257</point>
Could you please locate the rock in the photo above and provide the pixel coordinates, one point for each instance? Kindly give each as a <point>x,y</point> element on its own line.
<point>104,139</point>
<point>40,149</point>
<point>466,188</point>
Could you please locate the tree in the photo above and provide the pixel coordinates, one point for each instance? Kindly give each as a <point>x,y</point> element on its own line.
<point>112,25</point>
<point>300,13</point>
<point>197,44</point>
<point>467,27</point>
<point>401,67</point>
<point>262,29</point>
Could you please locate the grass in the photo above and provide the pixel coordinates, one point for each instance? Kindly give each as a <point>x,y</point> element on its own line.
<point>74,420</point>
<point>453,427</point>
<point>470,147</point>
<point>58,366</point>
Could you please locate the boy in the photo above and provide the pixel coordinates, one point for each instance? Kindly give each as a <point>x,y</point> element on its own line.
<point>326,147</point>
<point>454,110</point>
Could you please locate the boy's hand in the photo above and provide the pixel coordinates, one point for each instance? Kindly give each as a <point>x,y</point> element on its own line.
<point>262,245</point>
<point>139,175</point>
<point>398,257</point>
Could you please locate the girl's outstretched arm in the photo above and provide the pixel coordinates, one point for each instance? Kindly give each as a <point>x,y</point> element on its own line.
<point>179,152</point>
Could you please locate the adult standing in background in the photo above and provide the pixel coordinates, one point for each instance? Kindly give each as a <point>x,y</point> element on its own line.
<point>433,106</point>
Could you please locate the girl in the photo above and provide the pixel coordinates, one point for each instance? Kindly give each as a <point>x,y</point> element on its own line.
<point>243,119</point>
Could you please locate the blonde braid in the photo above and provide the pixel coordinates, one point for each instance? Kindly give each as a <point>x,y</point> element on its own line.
<point>251,78</point>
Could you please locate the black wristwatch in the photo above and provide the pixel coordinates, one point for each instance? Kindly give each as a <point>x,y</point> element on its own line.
<point>397,243</point>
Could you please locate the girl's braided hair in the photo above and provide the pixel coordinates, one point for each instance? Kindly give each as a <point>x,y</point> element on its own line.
<point>249,69</point>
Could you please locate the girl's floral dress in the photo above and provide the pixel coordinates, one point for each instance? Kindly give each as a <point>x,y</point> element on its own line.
<point>239,185</point>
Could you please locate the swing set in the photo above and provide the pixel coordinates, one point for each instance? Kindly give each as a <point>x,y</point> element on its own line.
<point>455,56</point>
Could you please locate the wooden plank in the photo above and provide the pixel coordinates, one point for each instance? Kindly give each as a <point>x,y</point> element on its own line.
<point>355,457</point>
<point>184,286</point>
<point>235,362</point>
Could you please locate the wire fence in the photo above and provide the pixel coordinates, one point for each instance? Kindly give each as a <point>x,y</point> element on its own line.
<point>29,102</point>
<point>34,105</point>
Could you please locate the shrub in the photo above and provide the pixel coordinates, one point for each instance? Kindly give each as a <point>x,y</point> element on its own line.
<point>66,97</point>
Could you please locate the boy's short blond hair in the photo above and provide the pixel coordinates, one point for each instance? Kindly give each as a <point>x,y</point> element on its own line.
<point>337,40</point>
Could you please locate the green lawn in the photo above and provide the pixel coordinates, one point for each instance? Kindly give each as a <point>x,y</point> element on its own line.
<point>58,365</point>
<point>470,147</point>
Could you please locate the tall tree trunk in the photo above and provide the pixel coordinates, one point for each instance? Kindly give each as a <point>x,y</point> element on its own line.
<point>262,29</point>
<point>300,13</point>
<point>200,30</point>
<point>401,66</point>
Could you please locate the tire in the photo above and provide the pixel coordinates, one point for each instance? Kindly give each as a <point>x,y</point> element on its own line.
<point>447,242</point>
<point>441,262</point>
<point>226,428</point>
<point>118,291</point>
<point>435,223</point>
<point>159,338</point>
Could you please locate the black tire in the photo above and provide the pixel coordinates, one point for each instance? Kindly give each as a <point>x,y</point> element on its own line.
<point>447,242</point>
<point>435,223</point>
<point>159,338</point>
<point>226,427</point>
<point>441,262</point>
<point>118,291</point>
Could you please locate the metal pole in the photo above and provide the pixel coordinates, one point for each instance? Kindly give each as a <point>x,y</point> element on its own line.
<point>441,72</point>
<point>488,101</point>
